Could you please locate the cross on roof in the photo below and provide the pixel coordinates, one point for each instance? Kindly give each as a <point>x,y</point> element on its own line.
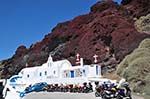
<point>78,56</point>
<point>26,65</point>
<point>95,58</point>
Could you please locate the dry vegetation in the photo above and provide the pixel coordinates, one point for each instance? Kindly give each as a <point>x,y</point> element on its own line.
<point>136,68</point>
<point>143,24</point>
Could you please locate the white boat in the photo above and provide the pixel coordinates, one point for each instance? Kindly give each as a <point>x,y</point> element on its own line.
<point>52,72</point>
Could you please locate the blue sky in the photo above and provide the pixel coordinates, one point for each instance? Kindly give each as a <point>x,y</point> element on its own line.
<point>24,22</point>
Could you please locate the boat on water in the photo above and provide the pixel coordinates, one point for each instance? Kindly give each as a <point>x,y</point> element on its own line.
<point>52,72</point>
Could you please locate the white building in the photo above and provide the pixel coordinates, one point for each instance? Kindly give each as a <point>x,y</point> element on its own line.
<point>59,72</point>
<point>53,72</point>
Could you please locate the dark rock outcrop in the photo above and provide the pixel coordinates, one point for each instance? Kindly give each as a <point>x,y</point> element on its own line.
<point>137,7</point>
<point>108,29</point>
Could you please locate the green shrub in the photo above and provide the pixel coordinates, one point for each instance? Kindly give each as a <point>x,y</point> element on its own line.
<point>136,72</point>
<point>138,69</point>
<point>139,53</point>
<point>145,43</point>
<point>123,65</point>
<point>147,87</point>
<point>143,24</point>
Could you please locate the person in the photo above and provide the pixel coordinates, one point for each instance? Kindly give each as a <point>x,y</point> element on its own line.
<point>6,92</point>
<point>105,85</point>
<point>123,84</point>
<point>90,87</point>
<point>127,88</point>
<point>85,87</point>
<point>61,87</point>
<point>99,89</point>
<point>96,83</point>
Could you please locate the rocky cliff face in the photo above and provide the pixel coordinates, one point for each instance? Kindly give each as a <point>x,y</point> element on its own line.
<point>107,30</point>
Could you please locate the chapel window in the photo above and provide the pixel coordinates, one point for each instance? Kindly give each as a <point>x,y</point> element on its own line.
<point>54,71</point>
<point>45,72</point>
<point>28,76</point>
<point>40,74</point>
